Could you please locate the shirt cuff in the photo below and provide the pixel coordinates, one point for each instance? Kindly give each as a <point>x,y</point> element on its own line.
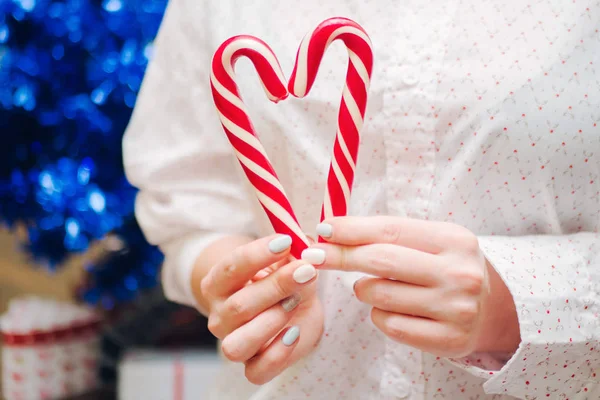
<point>180,257</point>
<point>550,360</point>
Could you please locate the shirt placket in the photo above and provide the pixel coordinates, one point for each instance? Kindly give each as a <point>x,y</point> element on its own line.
<point>410,79</point>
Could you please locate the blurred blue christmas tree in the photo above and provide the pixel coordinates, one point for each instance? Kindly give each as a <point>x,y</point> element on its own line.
<point>70,72</point>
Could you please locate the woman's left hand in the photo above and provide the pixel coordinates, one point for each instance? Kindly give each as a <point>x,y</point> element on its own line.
<point>431,286</point>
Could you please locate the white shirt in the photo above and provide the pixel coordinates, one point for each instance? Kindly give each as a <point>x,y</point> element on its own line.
<point>485,113</point>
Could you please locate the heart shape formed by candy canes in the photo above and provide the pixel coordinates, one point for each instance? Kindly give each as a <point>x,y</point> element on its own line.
<point>242,136</point>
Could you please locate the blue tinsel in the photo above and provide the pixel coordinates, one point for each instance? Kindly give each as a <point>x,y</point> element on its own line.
<point>70,72</point>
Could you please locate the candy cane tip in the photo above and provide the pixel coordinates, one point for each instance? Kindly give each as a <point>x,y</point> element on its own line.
<point>279,98</point>
<point>297,92</point>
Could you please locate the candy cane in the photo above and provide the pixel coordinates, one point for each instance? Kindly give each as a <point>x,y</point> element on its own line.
<point>238,127</point>
<point>353,104</point>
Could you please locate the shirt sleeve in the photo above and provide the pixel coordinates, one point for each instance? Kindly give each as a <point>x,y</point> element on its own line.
<point>555,283</point>
<point>175,152</point>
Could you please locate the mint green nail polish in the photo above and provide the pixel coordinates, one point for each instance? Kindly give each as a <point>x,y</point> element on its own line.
<point>289,303</point>
<point>324,230</point>
<point>290,337</point>
<point>280,243</point>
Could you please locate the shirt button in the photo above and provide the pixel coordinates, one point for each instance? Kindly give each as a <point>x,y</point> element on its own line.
<point>410,79</point>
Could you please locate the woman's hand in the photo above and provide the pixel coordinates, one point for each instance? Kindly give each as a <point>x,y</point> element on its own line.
<point>263,306</point>
<point>431,286</point>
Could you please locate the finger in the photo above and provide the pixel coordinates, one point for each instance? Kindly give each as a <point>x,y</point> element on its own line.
<point>270,269</point>
<point>400,298</point>
<point>246,341</point>
<point>263,273</point>
<point>427,236</point>
<point>253,299</point>
<point>236,269</point>
<point>268,364</point>
<point>427,335</point>
<point>382,260</point>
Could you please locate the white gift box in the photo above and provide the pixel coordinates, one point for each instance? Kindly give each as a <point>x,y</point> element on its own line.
<point>50,349</point>
<point>167,375</point>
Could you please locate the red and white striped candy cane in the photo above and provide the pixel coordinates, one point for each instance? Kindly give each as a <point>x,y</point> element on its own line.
<point>238,127</point>
<point>353,104</point>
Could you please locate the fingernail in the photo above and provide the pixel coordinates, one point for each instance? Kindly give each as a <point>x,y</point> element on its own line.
<point>304,273</point>
<point>280,243</point>
<point>290,337</point>
<point>289,303</point>
<point>314,256</point>
<point>324,230</point>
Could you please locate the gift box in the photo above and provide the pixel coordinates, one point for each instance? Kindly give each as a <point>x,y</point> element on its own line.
<point>149,322</point>
<point>167,375</point>
<point>50,349</point>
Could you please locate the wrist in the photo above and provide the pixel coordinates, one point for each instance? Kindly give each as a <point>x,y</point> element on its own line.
<point>500,331</point>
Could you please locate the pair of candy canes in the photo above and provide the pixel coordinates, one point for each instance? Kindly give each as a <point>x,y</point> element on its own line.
<point>248,149</point>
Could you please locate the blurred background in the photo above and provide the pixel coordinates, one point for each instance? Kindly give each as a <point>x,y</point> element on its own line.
<point>79,287</point>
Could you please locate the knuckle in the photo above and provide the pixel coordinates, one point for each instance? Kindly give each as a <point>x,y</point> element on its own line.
<point>273,323</point>
<point>248,373</point>
<point>235,308</point>
<point>456,344</point>
<point>471,243</point>
<point>206,286</point>
<point>214,326</point>
<point>382,261</point>
<point>467,312</point>
<point>359,291</point>
<point>392,232</point>
<point>382,299</point>
<point>279,288</point>
<point>232,351</point>
<point>391,328</point>
<point>228,271</point>
<point>395,332</point>
<point>253,377</point>
<point>271,362</point>
<point>241,255</point>
<point>470,281</point>
<point>466,240</point>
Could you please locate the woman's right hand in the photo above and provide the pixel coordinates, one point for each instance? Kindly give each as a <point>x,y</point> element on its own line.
<point>266,320</point>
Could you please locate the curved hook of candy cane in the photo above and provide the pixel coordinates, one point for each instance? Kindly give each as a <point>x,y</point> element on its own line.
<point>264,60</point>
<point>242,135</point>
<point>353,104</point>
